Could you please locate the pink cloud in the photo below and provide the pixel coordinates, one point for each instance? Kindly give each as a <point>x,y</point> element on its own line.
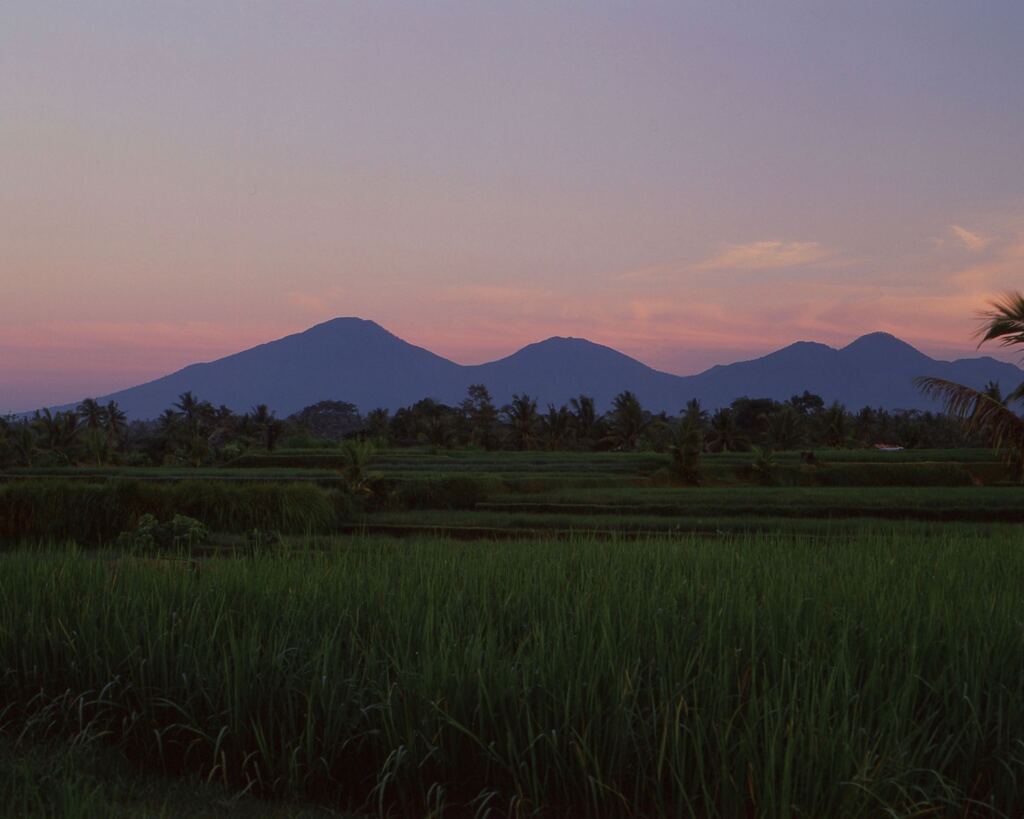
<point>768,255</point>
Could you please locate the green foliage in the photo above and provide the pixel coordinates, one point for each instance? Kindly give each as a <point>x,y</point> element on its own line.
<point>98,512</point>
<point>150,535</point>
<point>763,466</point>
<point>356,457</point>
<point>458,492</point>
<point>330,420</point>
<point>685,451</point>
<point>742,676</point>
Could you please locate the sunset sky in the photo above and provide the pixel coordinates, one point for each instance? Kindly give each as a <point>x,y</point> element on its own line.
<point>691,183</point>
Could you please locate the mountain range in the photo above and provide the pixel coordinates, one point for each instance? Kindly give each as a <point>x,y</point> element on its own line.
<point>356,360</point>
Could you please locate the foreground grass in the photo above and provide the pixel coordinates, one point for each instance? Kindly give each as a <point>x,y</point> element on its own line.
<point>751,675</point>
<point>92,782</point>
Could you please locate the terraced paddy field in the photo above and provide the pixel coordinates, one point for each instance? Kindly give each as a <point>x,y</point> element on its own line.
<point>516,634</point>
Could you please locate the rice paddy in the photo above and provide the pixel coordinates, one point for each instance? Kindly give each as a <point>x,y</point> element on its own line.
<point>599,643</point>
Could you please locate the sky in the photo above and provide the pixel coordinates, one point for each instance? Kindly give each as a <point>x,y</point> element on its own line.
<point>691,183</point>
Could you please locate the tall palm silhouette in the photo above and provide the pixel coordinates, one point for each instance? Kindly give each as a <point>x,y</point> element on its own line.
<point>584,418</point>
<point>628,421</point>
<point>93,413</point>
<point>523,420</point>
<point>116,421</point>
<point>986,411</point>
<point>723,433</point>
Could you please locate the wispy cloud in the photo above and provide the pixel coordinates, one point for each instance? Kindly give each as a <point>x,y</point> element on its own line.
<point>969,239</point>
<point>767,255</point>
<point>315,303</point>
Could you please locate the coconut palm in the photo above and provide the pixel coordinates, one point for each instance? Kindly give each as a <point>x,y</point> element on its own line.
<point>987,411</point>
<point>628,421</point>
<point>24,442</point>
<point>267,426</point>
<point>685,450</point>
<point>522,419</point>
<point>694,413</point>
<point>557,426</point>
<point>481,417</point>
<point>97,445</point>
<point>356,457</point>
<point>93,413</point>
<point>378,424</point>
<point>835,423</point>
<point>59,431</point>
<point>584,418</point>
<point>723,434</point>
<point>168,421</point>
<point>116,421</point>
<point>783,428</point>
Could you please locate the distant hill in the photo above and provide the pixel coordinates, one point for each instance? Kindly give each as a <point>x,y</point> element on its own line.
<point>347,359</point>
<point>877,370</point>
<point>355,360</point>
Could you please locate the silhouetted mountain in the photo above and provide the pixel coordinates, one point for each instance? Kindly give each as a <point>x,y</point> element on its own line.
<point>351,359</point>
<point>345,358</point>
<point>875,370</point>
<point>555,370</point>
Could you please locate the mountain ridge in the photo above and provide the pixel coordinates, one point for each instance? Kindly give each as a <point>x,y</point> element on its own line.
<point>358,360</point>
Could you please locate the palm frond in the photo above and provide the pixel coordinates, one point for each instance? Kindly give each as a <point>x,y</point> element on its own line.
<point>1016,395</point>
<point>1004,321</point>
<point>980,412</point>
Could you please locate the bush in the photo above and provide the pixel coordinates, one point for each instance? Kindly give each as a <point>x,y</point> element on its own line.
<point>150,535</point>
<point>96,513</point>
<point>463,492</point>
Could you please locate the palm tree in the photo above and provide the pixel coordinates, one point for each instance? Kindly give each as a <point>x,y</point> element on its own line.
<point>59,431</point>
<point>188,405</point>
<point>482,416</point>
<point>522,418</point>
<point>93,413</point>
<point>195,413</point>
<point>97,445</point>
<point>584,418</point>
<point>24,441</point>
<point>168,421</point>
<point>783,428</point>
<point>557,424</point>
<point>267,425</point>
<point>987,411</point>
<point>115,421</point>
<point>836,423</point>
<point>685,450</point>
<point>378,424</point>
<point>694,413</point>
<point>628,421</point>
<point>724,434</point>
<point>356,457</point>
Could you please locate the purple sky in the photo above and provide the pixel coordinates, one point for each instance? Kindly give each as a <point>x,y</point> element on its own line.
<point>690,183</point>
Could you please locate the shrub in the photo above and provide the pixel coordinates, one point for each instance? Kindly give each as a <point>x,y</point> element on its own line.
<point>462,492</point>
<point>150,535</point>
<point>98,512</point>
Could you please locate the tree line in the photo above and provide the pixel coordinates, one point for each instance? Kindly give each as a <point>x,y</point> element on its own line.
<point>194,432</point>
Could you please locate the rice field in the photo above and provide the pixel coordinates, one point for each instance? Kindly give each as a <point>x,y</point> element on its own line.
<point>517,635</point>
<point>755,675</point>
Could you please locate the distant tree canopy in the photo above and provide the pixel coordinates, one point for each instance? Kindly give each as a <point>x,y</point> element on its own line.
<point>194,432</point>
<point>332,420</point>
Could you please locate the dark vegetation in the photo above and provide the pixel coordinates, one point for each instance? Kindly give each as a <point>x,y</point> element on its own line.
<point>195,433</point>
<point>753,676</point>
<point>498,612</point>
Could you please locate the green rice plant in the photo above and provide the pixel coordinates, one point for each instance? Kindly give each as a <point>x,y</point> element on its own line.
<point>447,493</point>
<point>769,676</point>
<point>98,512</point>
